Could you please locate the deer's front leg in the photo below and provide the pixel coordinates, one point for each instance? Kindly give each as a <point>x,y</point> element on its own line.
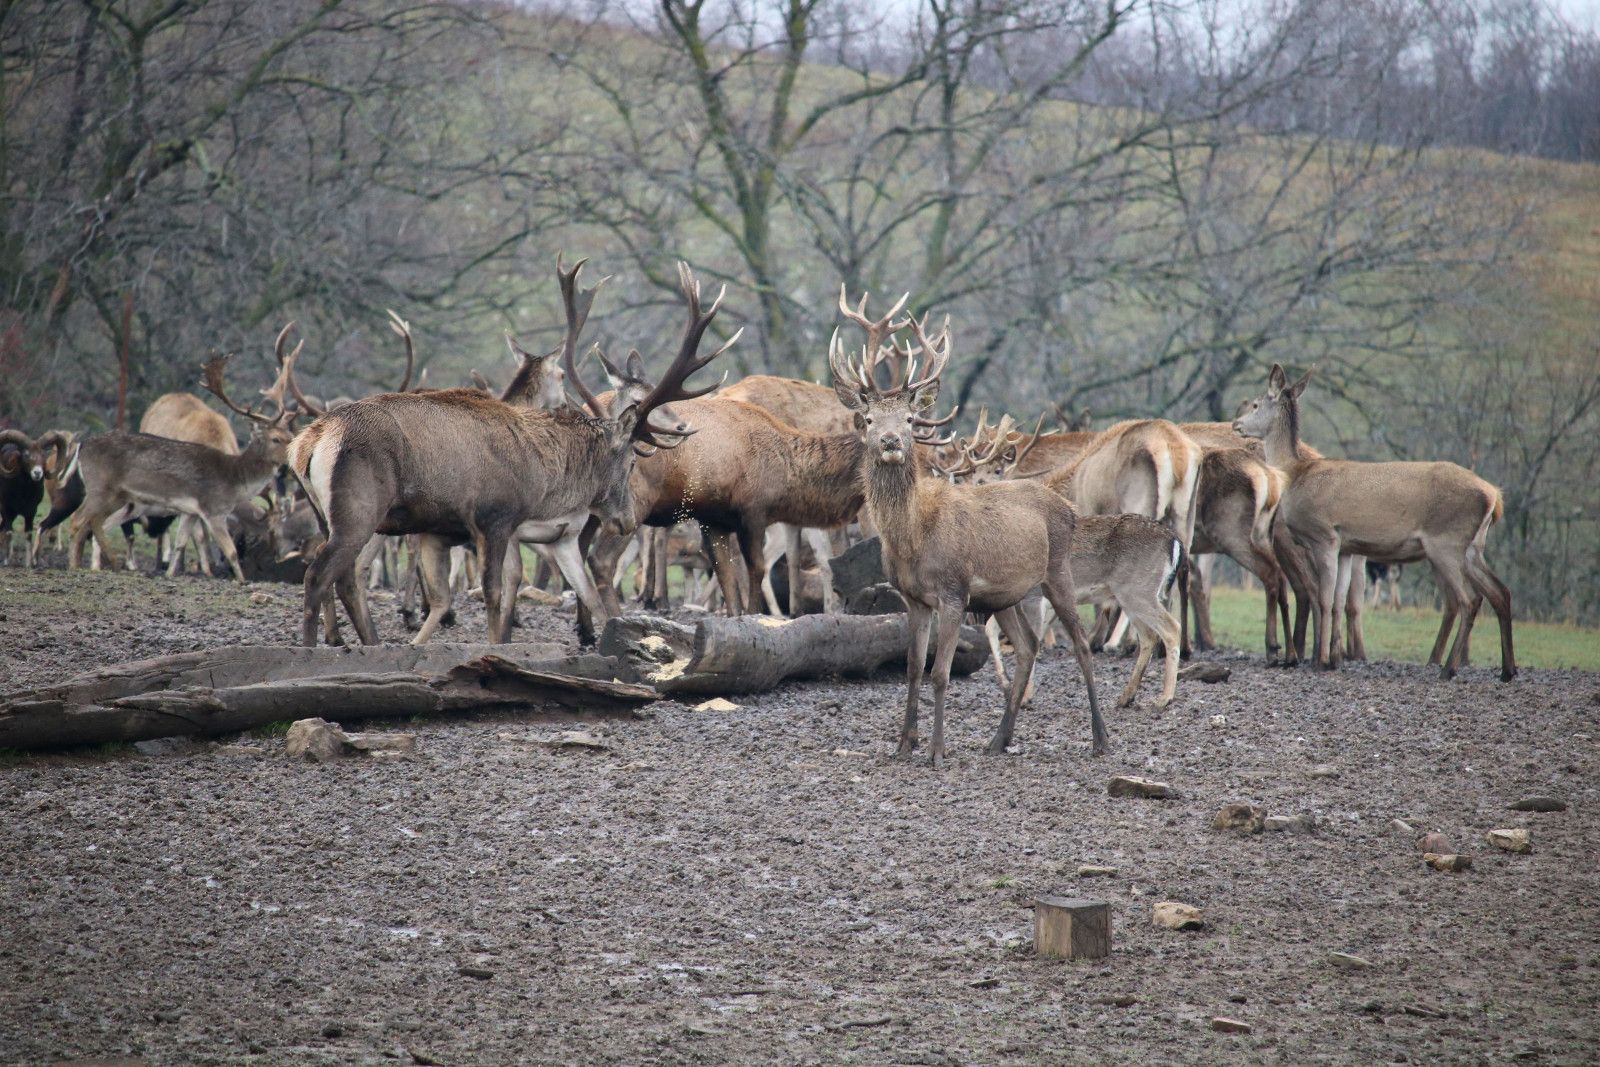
<point>950,615</point>
<point>918,618</point>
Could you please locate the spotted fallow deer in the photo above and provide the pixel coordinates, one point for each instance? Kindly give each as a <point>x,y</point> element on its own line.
<point>947,548</point>
<point>1396,512</point>
<point>164,476</point>
<point>467,466</point>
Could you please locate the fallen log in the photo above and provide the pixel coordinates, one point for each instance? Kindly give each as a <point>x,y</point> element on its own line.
<point>752,653</point>
<point>227,690</point>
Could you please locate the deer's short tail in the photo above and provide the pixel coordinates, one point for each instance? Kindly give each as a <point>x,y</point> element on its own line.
<point>1178,566</point>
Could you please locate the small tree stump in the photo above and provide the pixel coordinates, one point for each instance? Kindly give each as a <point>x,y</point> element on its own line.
<point>1071,928</point>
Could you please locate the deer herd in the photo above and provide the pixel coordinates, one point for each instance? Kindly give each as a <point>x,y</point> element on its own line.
<point>1015,527</point>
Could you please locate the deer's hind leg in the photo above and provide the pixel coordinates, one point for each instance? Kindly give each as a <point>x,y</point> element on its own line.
<point>1499,596</point>
<point>1059,591</point>
<point>1026,645</point>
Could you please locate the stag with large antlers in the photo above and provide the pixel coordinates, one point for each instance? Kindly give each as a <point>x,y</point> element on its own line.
<point>465,466</point>
<point>1390,512</point>
<point>950,549</point>
<point>162,476</point>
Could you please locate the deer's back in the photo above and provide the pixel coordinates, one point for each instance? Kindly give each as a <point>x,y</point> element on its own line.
<point>185,417</point>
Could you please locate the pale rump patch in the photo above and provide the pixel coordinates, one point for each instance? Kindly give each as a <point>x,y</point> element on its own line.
<point>319,467</point>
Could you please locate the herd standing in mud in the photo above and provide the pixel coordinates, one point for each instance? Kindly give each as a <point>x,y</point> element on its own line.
<point>1014,527</point>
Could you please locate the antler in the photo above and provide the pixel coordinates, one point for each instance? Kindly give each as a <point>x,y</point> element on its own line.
<point>1033,439</point>
<point>670,387</point>
<point>286,374</point>
<point>878,330</point>
<point>212,373</point>
<point>577,305</point>
<point>403,328</point>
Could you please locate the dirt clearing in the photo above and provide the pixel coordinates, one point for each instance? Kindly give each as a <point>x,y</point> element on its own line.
<point>768,885</point>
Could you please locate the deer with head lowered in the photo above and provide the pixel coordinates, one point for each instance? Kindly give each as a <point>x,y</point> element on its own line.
<point>466,466</point>
<point>163,476</point>
<point>950,549</point>
<point>1394,512</point>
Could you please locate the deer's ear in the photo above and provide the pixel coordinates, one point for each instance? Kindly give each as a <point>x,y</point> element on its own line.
<point>1300,386</point>
<point>627,420</point>
<point>1277,381</point>
<point>635,365</point>
<point>850,395</point>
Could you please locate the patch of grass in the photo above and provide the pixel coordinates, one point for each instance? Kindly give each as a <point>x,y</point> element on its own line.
<point>272,729</point>
<point>1005,881</point>
<point>1238,617</point>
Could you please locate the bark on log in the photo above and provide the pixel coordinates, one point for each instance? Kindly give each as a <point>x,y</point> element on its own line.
<point>753,653</point>
<point>174,695</point>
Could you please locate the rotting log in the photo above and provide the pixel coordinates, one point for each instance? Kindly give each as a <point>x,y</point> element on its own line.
<point>231,689</point>
<point>752,653</point>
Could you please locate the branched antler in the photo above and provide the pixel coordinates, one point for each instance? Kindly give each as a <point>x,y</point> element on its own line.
<point>670,387</point>
<point>576,304</point>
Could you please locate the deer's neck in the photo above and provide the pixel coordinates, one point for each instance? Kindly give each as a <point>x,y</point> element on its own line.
<point>256,462</point>
<point>894,493</point>
<point>1281,446</point>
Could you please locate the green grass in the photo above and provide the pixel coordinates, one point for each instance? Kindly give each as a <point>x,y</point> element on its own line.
<point>1237,618</point>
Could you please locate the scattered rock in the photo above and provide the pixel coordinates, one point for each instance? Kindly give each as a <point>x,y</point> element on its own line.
<point>472,970</point>
<point>1324,770</point>
<point>316,740</point>
<point>564,739</point>
<point>1510,840</point>
<point>164,746</point>
<point>1088,871</point>
<point>717,704</point>
<point>1209,673</point>
<point>1172,915</point>
<point>1539,803</point>
<point>1402,826</point>
<point>259,598</point>
<point>376,744</point>
<point>1346,961</point>
<point>1123,785</point>
<point>1295,824</point>
<point>1246,818</point>
<point>1219,721</point>
<point>1230,1026</point>
<point>1447,862</point>
<point>850,753</point>
<point>1434,842</point>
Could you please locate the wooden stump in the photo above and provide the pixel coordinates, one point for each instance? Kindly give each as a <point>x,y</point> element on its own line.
<point>1071,928</point>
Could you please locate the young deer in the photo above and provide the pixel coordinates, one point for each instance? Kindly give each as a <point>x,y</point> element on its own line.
<point>1129,561</point>
<point>165,476</point>
<point>1391,512</point>
<point>950,549</point>
<point>462,465</point>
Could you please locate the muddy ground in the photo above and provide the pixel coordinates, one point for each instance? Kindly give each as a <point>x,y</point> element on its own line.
<point>768,885</point>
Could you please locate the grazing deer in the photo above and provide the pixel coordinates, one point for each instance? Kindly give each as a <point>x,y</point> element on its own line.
<point>467,466</point>
<point>1397,512</point>
<point>950,549</point>
<point>141,471</point>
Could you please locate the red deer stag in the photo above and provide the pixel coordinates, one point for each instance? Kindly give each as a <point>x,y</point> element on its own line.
<point>950,549</point>
<point>466,466</point>
<point>1397,512</point>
